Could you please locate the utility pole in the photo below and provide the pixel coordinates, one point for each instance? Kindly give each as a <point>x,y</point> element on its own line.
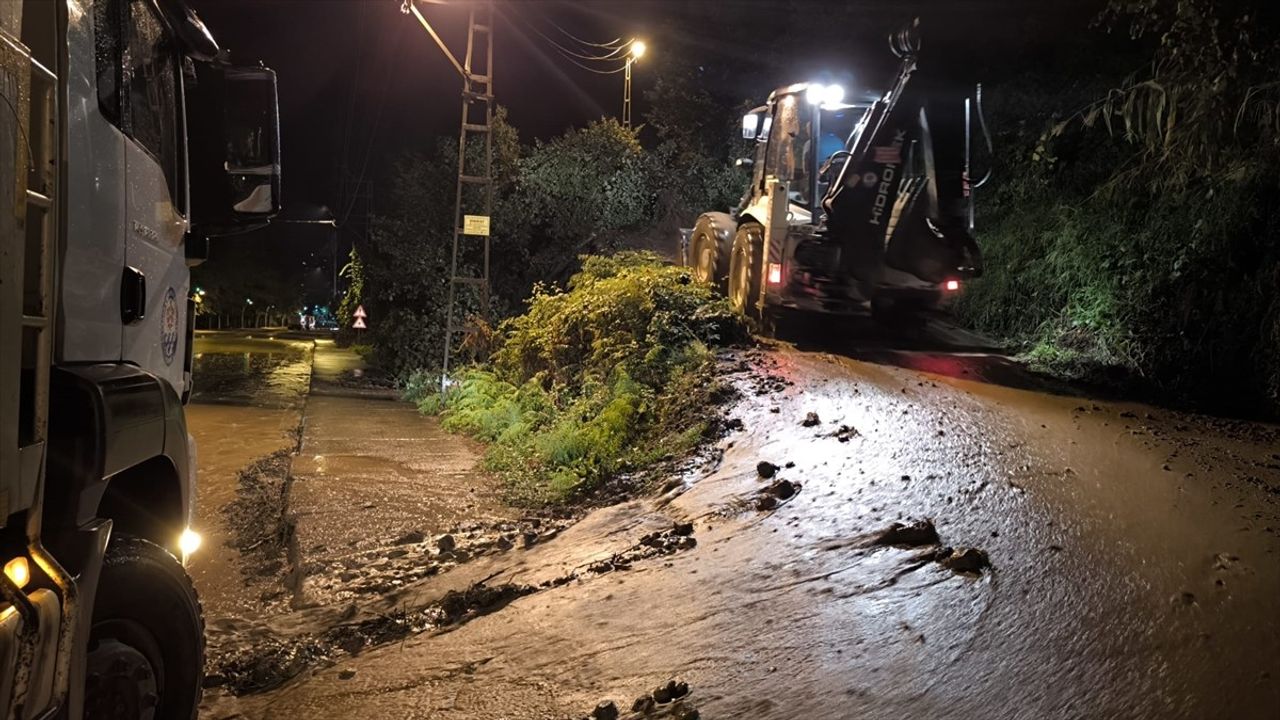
<point>637,51</point>
<point>473,203</point>
<point>626,96</point>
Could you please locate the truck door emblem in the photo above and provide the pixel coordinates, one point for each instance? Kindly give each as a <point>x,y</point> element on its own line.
<point>169,326</point>
<point>869,179</point>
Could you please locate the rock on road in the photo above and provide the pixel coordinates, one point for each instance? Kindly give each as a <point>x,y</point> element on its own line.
<point>1134,570</point>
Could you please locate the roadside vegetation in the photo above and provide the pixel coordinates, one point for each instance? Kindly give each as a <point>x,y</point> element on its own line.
<point>1133,231</point>
<point>611,374</point>
<point>592,190</point>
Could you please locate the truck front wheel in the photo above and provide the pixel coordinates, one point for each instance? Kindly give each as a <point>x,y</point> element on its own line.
<point>146,649</point>
<point>744,270</point>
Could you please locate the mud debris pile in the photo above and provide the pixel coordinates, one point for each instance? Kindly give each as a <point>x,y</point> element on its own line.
<point>665,542</point>
<point>844,433</point>
<point>669,700</point>
<point>779,491</point>
<point>915,534</point>
<point>261,528</point>
<point>385,567</point>
<point>923,534</point>
<point>263,661</point>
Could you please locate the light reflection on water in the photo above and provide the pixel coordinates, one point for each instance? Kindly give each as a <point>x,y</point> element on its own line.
<point>272,378</point>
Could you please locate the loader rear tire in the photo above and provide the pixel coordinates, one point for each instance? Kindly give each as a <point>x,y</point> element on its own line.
<point>709,248</point>
<point>745,270</point>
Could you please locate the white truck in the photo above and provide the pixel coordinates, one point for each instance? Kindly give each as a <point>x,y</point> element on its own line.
<point>126,142</point>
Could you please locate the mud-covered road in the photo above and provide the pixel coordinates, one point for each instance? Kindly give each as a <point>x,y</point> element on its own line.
<point>1091,559</point>
<point>246,405</point>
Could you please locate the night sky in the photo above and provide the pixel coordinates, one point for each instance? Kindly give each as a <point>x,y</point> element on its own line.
<point>360,82</point>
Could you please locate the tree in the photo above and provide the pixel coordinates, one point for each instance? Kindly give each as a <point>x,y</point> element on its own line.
<point>403,266</point>
<point>1211,98</point>
<point>248,268</point>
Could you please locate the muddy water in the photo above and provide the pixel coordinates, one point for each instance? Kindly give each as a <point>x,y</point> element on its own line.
<point>1134,551</point>
<point>375,482</point>
<point>246,404</point>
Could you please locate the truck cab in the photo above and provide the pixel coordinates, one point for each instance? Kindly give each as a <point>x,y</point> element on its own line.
<point>132,141</point>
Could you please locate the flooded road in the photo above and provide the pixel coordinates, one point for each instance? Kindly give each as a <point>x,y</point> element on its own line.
<point>1134,569</point>
<point>247,404</point>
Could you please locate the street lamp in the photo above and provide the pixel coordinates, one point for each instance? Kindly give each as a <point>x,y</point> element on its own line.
<point>637,51</point>
<point>247,303</point>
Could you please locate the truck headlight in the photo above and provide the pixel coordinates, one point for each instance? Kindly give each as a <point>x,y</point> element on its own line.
<point>188,542</point>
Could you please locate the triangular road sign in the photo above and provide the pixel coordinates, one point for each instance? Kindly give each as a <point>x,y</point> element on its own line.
<point>360,313</point>
<point>358,324</point>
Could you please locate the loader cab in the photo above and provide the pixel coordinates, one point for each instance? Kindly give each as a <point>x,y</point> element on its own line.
<point>800,138</point>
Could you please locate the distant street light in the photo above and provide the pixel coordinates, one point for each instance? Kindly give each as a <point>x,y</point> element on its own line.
<point>247,303</point>
<point>637,51</point>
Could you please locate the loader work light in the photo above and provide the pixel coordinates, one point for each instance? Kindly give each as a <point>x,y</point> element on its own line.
<point>775,273</point>
<point>824,95</point>
<point>952,285</point>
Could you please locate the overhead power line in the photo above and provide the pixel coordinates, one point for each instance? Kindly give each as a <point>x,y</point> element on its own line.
<point>598,72</point>
<point>613,56</point>
<point>612,44</point>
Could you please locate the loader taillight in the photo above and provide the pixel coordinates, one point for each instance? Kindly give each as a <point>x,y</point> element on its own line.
<point>952,285</point>
<point>775,273</point>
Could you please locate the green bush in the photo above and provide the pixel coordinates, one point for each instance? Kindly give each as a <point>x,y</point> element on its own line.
<point>1124,277</point>
<point>606,376</point>
<point>584,183</point>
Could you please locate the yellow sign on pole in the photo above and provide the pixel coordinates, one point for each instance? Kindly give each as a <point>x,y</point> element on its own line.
<point>475,225</point>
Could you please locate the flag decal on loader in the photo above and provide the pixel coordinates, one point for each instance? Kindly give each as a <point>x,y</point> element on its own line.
<point>887,154</point>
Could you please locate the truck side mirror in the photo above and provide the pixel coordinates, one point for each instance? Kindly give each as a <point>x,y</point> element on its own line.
<point>234,140</point>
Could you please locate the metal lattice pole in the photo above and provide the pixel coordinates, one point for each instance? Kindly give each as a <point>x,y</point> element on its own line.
<point>626,95</point>
<point>468,224</point>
